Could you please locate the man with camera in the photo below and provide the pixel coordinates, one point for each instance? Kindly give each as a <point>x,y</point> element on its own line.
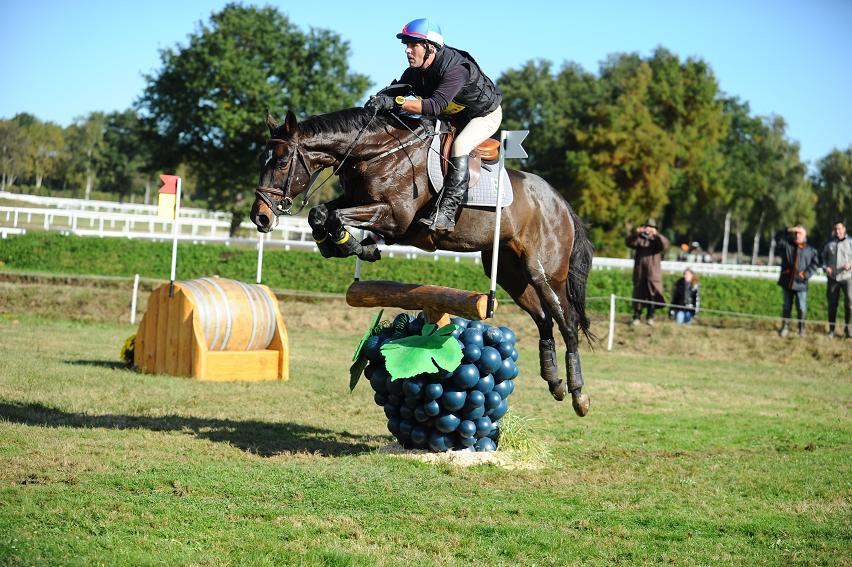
<point>799,261</point>
<point>647,269</point>
<point>837,263</point>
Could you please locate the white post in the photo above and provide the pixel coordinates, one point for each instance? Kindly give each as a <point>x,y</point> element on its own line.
<point>259,256</point>
<point>611,322</point>
<point>492,293</point>
<point>175,229</point>
<point>358,261</point>
<point>133,300</point>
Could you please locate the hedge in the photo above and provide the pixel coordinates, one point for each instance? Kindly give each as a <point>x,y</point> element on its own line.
<point>49,252</point>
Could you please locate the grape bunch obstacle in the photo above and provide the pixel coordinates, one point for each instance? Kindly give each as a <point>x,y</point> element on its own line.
<point>451,409</point>
<point>443,381</point>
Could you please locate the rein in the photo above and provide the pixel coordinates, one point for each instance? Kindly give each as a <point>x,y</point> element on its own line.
<point>284,204</point>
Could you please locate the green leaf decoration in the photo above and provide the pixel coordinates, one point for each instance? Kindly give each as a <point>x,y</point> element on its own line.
<point>432,351</point>
<point>359,360</point>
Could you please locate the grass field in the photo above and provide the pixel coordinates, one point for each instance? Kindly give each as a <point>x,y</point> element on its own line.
<point>704,446</point>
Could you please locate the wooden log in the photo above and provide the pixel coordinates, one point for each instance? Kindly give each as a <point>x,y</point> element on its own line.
<point>432,299</point>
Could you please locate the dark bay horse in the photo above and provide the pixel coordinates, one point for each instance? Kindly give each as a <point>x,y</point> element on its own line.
<point>545,253</point>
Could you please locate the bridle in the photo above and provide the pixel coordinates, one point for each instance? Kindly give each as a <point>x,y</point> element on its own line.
<point>276,198</point>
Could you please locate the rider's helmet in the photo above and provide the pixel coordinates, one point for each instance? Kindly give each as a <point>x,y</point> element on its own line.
<point>422,29</point>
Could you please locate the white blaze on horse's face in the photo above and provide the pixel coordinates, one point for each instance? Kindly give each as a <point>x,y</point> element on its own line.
<point>269,155</point>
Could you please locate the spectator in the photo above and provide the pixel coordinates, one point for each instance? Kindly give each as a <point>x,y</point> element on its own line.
<point>686,298</point>
<point>647,269</point>
<point>837,264</point>
<point>799,261</point>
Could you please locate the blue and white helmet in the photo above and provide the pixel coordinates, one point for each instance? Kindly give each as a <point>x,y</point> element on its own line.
<point>422,29</point>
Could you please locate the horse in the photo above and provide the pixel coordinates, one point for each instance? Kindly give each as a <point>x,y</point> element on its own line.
<point>380,159</point>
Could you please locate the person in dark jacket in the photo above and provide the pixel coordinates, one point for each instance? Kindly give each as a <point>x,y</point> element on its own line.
<point>836,259</point>
<point>647,269</point>
<point>686,298</point>
<point>448,83</point>
<point>799,261</point>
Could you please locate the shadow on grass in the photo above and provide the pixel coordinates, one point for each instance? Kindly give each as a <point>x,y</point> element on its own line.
<point>112,364</point>
<point>258,437</point>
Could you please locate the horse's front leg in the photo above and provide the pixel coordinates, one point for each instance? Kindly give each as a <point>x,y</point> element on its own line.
<point>376,217</point>
<point>318,218</point>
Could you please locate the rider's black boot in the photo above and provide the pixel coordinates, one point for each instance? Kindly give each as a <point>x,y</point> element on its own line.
<point>455,185</point>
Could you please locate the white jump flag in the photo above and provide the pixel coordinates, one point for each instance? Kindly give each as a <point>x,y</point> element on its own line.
<point>510,147</point>
<point>168,207</point>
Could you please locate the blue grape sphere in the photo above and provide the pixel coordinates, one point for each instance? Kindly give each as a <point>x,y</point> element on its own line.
<point>485,445</point>
<point>493,336</point>
<point>433,391</point>
<point>447,423</point>
<point>489,361</point>
<point>474,413</point>
<point>391,411</point>
<point>508,335</point>
<point>483,426</point>
<point>371,348</point>
<point>468,441</point>
<point>406,412</point>
<point>505,371</point>
<point>472,337</point>
<point>471,353</point>
<point>439,442</point>
<point>420,414</point>
<point>466,376</point>
<point>479,325</point>
<point>467,428</point>
<point>515,354</point>
<point>405,427</point>
<point>412,388</point>
<point>380,399</point>
<point>505,388</point>
<point>432,408</point>
<point>492,400</point>
<point>460,321</point>
<point>475,398</point>
<point>393,425</point>
<point>500,410</point>
<point>505,349</point>
<point>394,400</point>
<point>485,384</point>
<point>419,435</point>
<point>453,400</point>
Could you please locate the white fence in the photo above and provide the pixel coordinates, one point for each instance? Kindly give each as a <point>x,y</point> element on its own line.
<point>107,219</point>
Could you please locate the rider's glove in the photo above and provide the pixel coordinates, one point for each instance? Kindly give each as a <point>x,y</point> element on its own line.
<point>380,102</point>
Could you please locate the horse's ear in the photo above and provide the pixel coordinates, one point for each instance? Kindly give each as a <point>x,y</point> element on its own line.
<point>271,123</point>
<point>290,122</point>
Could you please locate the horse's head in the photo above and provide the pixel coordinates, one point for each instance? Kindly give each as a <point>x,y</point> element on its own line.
<point>284,173</point>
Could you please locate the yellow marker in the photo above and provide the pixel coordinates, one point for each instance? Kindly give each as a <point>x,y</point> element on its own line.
<point>400,100</point>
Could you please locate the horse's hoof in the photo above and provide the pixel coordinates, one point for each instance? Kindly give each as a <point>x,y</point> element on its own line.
<point>558,391</point>
<point>370,253</point>
<point>581,402</point>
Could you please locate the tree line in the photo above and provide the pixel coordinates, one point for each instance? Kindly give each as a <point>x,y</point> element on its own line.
<point>642,136</point>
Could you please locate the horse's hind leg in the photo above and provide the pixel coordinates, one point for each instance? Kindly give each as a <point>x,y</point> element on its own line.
<point>511,275</point>
<point>553,293</point>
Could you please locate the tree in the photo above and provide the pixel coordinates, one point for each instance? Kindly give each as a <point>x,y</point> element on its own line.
<point>833,186</point>
<point>13,152</point>
<point>45,147</point>
<point>124,160</point>
<point>206,105</point>
<point>85,144</point>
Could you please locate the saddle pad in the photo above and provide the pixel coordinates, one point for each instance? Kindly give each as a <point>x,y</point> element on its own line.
<point>483,194</point>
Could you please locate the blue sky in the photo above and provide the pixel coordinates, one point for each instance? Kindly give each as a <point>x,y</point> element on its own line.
<point>62,59</point>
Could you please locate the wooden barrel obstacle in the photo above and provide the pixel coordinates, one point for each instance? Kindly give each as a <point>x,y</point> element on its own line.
<point>213,329</point>
<point>438,303</point>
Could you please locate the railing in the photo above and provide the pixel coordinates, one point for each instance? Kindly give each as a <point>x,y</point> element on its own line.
<point>291,233</point>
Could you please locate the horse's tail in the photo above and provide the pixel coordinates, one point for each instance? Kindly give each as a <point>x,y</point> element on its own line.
<point>578,274</point>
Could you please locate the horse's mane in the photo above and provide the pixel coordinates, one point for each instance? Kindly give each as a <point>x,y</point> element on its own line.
<point>351,121</point>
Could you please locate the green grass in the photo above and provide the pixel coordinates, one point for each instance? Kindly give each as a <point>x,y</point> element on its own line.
<point>722,456</point>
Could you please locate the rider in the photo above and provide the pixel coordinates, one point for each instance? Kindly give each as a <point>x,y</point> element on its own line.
<point>450,84</point>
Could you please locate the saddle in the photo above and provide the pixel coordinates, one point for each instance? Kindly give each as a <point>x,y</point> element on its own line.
<point>488,152</point>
